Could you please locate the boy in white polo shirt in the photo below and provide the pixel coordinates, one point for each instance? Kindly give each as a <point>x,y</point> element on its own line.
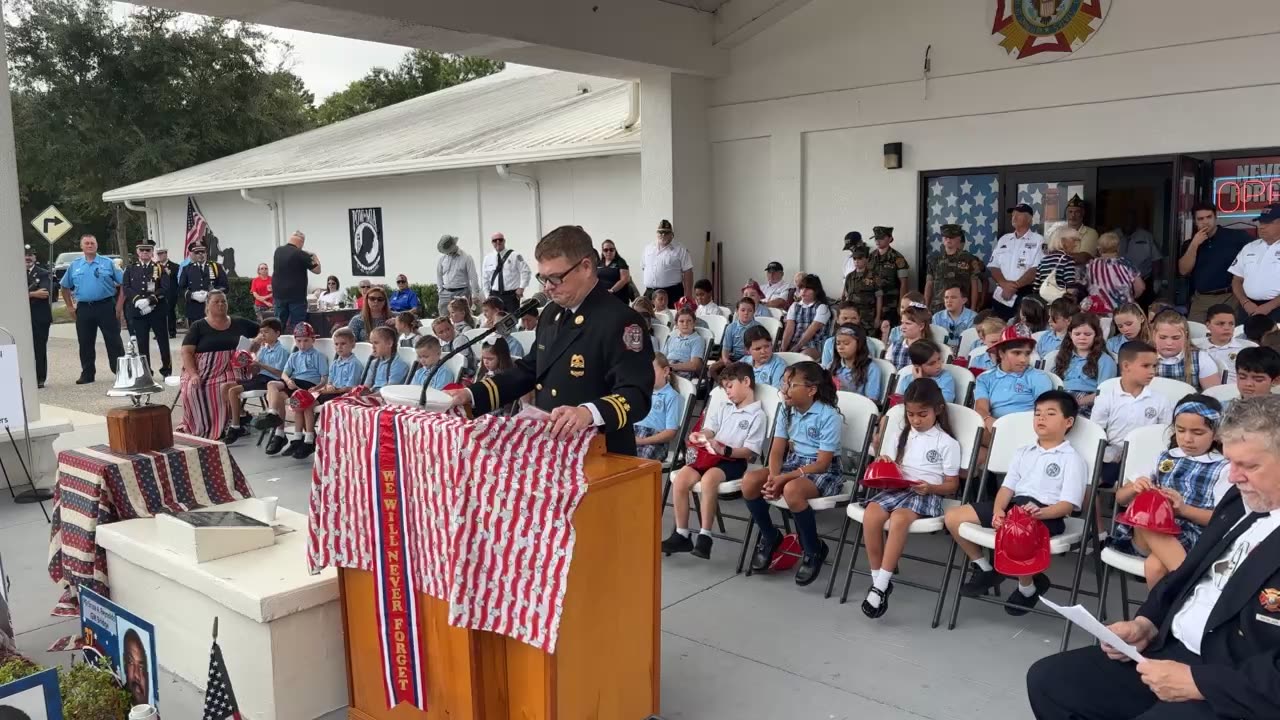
<point>1128,404</point>
<point>1047,478</point>
<point>1222,343</point>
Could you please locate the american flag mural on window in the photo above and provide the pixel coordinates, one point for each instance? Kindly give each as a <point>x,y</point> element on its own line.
<point>970,201</point>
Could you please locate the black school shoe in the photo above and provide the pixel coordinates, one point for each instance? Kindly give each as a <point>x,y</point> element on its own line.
<point>302,449</point>
<point>979,582</point>
<point>764,550</point>
<point>1018,604</point>
<point>676,543</point>
<point>232,434</point>
<point>811,565</point>
<point>267,421</point>
<point>875,612</point>
<point>702,546</point>
<point>276,444</point>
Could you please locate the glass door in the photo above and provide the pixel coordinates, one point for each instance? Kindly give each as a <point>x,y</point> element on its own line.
<point>1048,192</point>
<point>1191,177</point>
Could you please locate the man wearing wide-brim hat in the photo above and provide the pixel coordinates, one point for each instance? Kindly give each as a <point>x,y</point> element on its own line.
<point>668,266</point>
<point>455,275</point>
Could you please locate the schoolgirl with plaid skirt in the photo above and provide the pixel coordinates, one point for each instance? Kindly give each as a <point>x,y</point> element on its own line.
<point>929,456</point>
<point>804,463</point>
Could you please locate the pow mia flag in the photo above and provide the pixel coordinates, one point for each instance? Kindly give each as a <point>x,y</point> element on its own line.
<point>368,251</point>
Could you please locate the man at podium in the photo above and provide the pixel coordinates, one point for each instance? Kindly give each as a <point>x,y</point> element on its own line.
<point>591,363</point>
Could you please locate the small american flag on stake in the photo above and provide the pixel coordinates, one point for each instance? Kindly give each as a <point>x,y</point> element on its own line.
<point>196,225</point>
<point>219,698</point>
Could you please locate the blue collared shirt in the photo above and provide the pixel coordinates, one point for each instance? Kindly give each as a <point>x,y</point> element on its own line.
<point>382,372</point>
<point>828,352</point>
<point>93,281</point>
<point>274,356</point>
<point>442,378</point>
<point>402,300</point>
<point>981,361</point>
<point>664,413</point>
<point>1049,342</point>
<point>1008,392</point>
<point>771,372</point>
<point>955,327</point>
<point>683,348</point>
<point>1076,381</point>
<point>945,383</point>
<point>815,430</point>
<point>732,342</point>
<point>871,388</point>
<point>1114,342</point>
<point>309,365</point>
<point>345,372</point>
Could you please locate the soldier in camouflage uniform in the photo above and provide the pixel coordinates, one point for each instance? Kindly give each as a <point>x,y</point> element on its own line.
<point>889,268</point>
<point>863,290</point>
<point>953,266</point>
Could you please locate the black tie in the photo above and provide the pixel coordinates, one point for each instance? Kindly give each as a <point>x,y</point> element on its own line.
<point>502,284</point>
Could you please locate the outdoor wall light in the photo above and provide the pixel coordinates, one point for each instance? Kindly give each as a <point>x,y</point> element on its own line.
<point>892,156</point>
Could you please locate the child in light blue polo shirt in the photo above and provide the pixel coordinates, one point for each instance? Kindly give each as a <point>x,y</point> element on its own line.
<point>270,357</point>
<point>1013,385</point>
<point>1060,313</point>
<point>344,374</point>
<point>846,314</point>
<point>385,367</point>
<point>428,350</point>
<point>768,368</point>
<point>655,432</point>
<point>1083,361</point>
<point>955,318</point>
<point>305,369</point>
<point>685,349</point>
<point>805,450</point>
<point>732,348</point>
<point>926,361</point>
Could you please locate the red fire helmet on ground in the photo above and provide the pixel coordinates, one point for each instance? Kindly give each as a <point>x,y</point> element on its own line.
<point>885,475</point>
<point>787,554</point>
<point>1151,510</point>
<point>1022,544</point>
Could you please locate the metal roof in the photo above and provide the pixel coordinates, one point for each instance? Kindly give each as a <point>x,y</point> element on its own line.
<point>519,115</point>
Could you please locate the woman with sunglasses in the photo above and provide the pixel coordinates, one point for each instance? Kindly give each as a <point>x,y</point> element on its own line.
<point>374,314</point>
<point>614,273</point>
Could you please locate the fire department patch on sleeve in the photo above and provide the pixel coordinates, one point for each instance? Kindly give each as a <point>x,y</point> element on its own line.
<point>633,338</point>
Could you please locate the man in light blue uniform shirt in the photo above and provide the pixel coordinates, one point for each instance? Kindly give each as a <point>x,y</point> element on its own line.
<point>94,282</point>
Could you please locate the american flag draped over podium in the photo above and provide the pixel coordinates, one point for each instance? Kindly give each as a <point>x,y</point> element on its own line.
<point>476,513</point>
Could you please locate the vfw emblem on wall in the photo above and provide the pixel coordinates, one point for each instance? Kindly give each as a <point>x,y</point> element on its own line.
<point>368,251</point>
<point>1026,28</point>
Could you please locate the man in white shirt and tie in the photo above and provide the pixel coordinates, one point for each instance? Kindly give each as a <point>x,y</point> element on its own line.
<point>1014,262</point>
<point>455,275</point>
<point>505,273</point>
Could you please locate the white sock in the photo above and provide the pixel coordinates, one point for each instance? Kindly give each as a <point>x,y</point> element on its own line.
<point>983,564</point>
<point>683,532</point>
<point>309,437</point>
<point>1027,590</point>
<point>705,531</point>
<point>881,578</point>
<point>280,432</point>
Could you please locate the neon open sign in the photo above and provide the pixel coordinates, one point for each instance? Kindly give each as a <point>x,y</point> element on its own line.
<point>1245,195</point>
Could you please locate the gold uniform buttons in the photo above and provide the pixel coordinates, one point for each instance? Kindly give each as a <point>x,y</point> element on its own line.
<point>553,392</point>
<point>539,386</point>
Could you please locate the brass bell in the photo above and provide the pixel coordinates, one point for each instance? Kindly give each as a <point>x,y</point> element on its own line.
<point>133,377</point>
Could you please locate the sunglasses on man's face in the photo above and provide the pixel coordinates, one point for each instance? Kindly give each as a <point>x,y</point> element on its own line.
<point>402,282</point>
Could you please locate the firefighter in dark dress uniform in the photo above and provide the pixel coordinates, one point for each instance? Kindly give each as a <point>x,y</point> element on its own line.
<point>146,306</point>
<point>198,278</point>
<point>171,300</point>
<point>39,292</point>
<point>591,363</point>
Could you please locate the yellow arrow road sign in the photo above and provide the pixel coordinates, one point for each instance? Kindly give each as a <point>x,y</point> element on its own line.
<point>51,224</point>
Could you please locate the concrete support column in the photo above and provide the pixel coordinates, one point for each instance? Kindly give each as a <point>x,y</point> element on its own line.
<point>787,162</point>
<point>675,163</point>
<point>15,314</point>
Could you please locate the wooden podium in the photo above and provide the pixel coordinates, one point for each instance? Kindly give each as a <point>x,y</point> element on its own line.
<point>606,662</point>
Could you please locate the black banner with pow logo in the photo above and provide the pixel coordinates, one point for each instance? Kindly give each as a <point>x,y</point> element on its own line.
<point>368,249</point>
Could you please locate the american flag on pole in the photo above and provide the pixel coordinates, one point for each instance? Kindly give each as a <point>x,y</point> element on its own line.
<point>219,698</point>
<point>196,225</point>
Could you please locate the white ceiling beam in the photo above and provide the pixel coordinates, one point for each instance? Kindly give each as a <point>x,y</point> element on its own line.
<point>741,20</point>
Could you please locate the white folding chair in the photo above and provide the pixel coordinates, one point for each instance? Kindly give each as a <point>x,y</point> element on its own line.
<point>967,428</point>
<point>963,380</point>
<point>708,342</point>
<point>887,376</point>
<point>860,416</point>
<point>325,347</point>
<point>286,342</point>
<point>1172,389</point>
<point>1198,330</point>
<point>773,325</point>
<point>725,312</point>
<point>875,348</point>
<point>660,334</point>
<point>675,449</point>
<point>791,358</point>
<point>473,332</point>
<point>1223,393</point>
<point>1048,359</point>
<point>938,334</point>
<point>363,351</point>
<point>967,339</point>
<point>1057,381</point>
<point>667,317</point>
<point>526,339</point>
<point>777,313</point>
<point>408,356</point>
<point>1143,447</point>
<point>717,325</point>
<point>1010,433</point>
<point>1108,324</point>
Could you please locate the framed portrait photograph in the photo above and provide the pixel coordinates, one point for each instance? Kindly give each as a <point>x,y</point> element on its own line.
<point>35,697</point>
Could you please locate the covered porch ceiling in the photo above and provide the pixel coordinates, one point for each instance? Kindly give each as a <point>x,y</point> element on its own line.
<point>618,38</point>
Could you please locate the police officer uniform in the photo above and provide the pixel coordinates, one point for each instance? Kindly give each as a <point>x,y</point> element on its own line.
<point>862,289</point>
<point>41,314</point>
<point>947,270</point>
<point>1258,267</point>
<point>598,356</point>
<point>95,284</point>
<point>1013,256</point>
<point>888,268</point>
<point>200,277</point>
<point>171,300</point>
<point>147,285</point>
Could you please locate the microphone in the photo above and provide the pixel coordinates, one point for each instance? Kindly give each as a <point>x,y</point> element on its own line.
<point>503,327</point>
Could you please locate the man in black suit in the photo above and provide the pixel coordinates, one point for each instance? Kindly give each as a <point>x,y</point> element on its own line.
<point>591,363</point>
<point>171,300</point>
<point>1210,630</point>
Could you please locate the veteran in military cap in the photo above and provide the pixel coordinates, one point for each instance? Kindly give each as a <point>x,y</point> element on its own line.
<point>852,239</point>
<point>863,290</point>
<point>890,269</point>
<point>199,278</point>
<point>145,304</point>
<point>591,362</point>
<point>953,266</point>
<point>1087,249</point>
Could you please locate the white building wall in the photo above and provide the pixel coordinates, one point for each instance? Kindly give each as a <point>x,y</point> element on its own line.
<point>601,194</point>
<point>833,82</point>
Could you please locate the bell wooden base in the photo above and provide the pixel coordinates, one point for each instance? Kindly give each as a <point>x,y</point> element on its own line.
<point>606,661</point>
<point>139,429</point>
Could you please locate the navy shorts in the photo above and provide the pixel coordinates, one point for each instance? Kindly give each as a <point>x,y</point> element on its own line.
<point>257,382</point>
<point>985,510</point>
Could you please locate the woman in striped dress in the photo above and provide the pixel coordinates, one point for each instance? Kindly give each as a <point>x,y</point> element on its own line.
<point>1111,275</point>
<point>1059,262</point>
<point>207,367</point>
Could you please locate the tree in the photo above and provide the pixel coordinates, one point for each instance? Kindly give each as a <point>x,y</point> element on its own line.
<point>419,73</point>
<point>100,102</point>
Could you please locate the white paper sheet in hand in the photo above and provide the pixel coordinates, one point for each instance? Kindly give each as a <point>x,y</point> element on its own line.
<point>1000,297</point>
<point>1087,622</point>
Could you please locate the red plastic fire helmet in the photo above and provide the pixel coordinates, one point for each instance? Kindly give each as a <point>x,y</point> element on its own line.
<point>1151,510</point>
<point>302,399</point>
<point>884,475</point>
<point>1022,544</point>
<point>241,359</point>
<point>1011,335</point>
<point>787,554</point>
